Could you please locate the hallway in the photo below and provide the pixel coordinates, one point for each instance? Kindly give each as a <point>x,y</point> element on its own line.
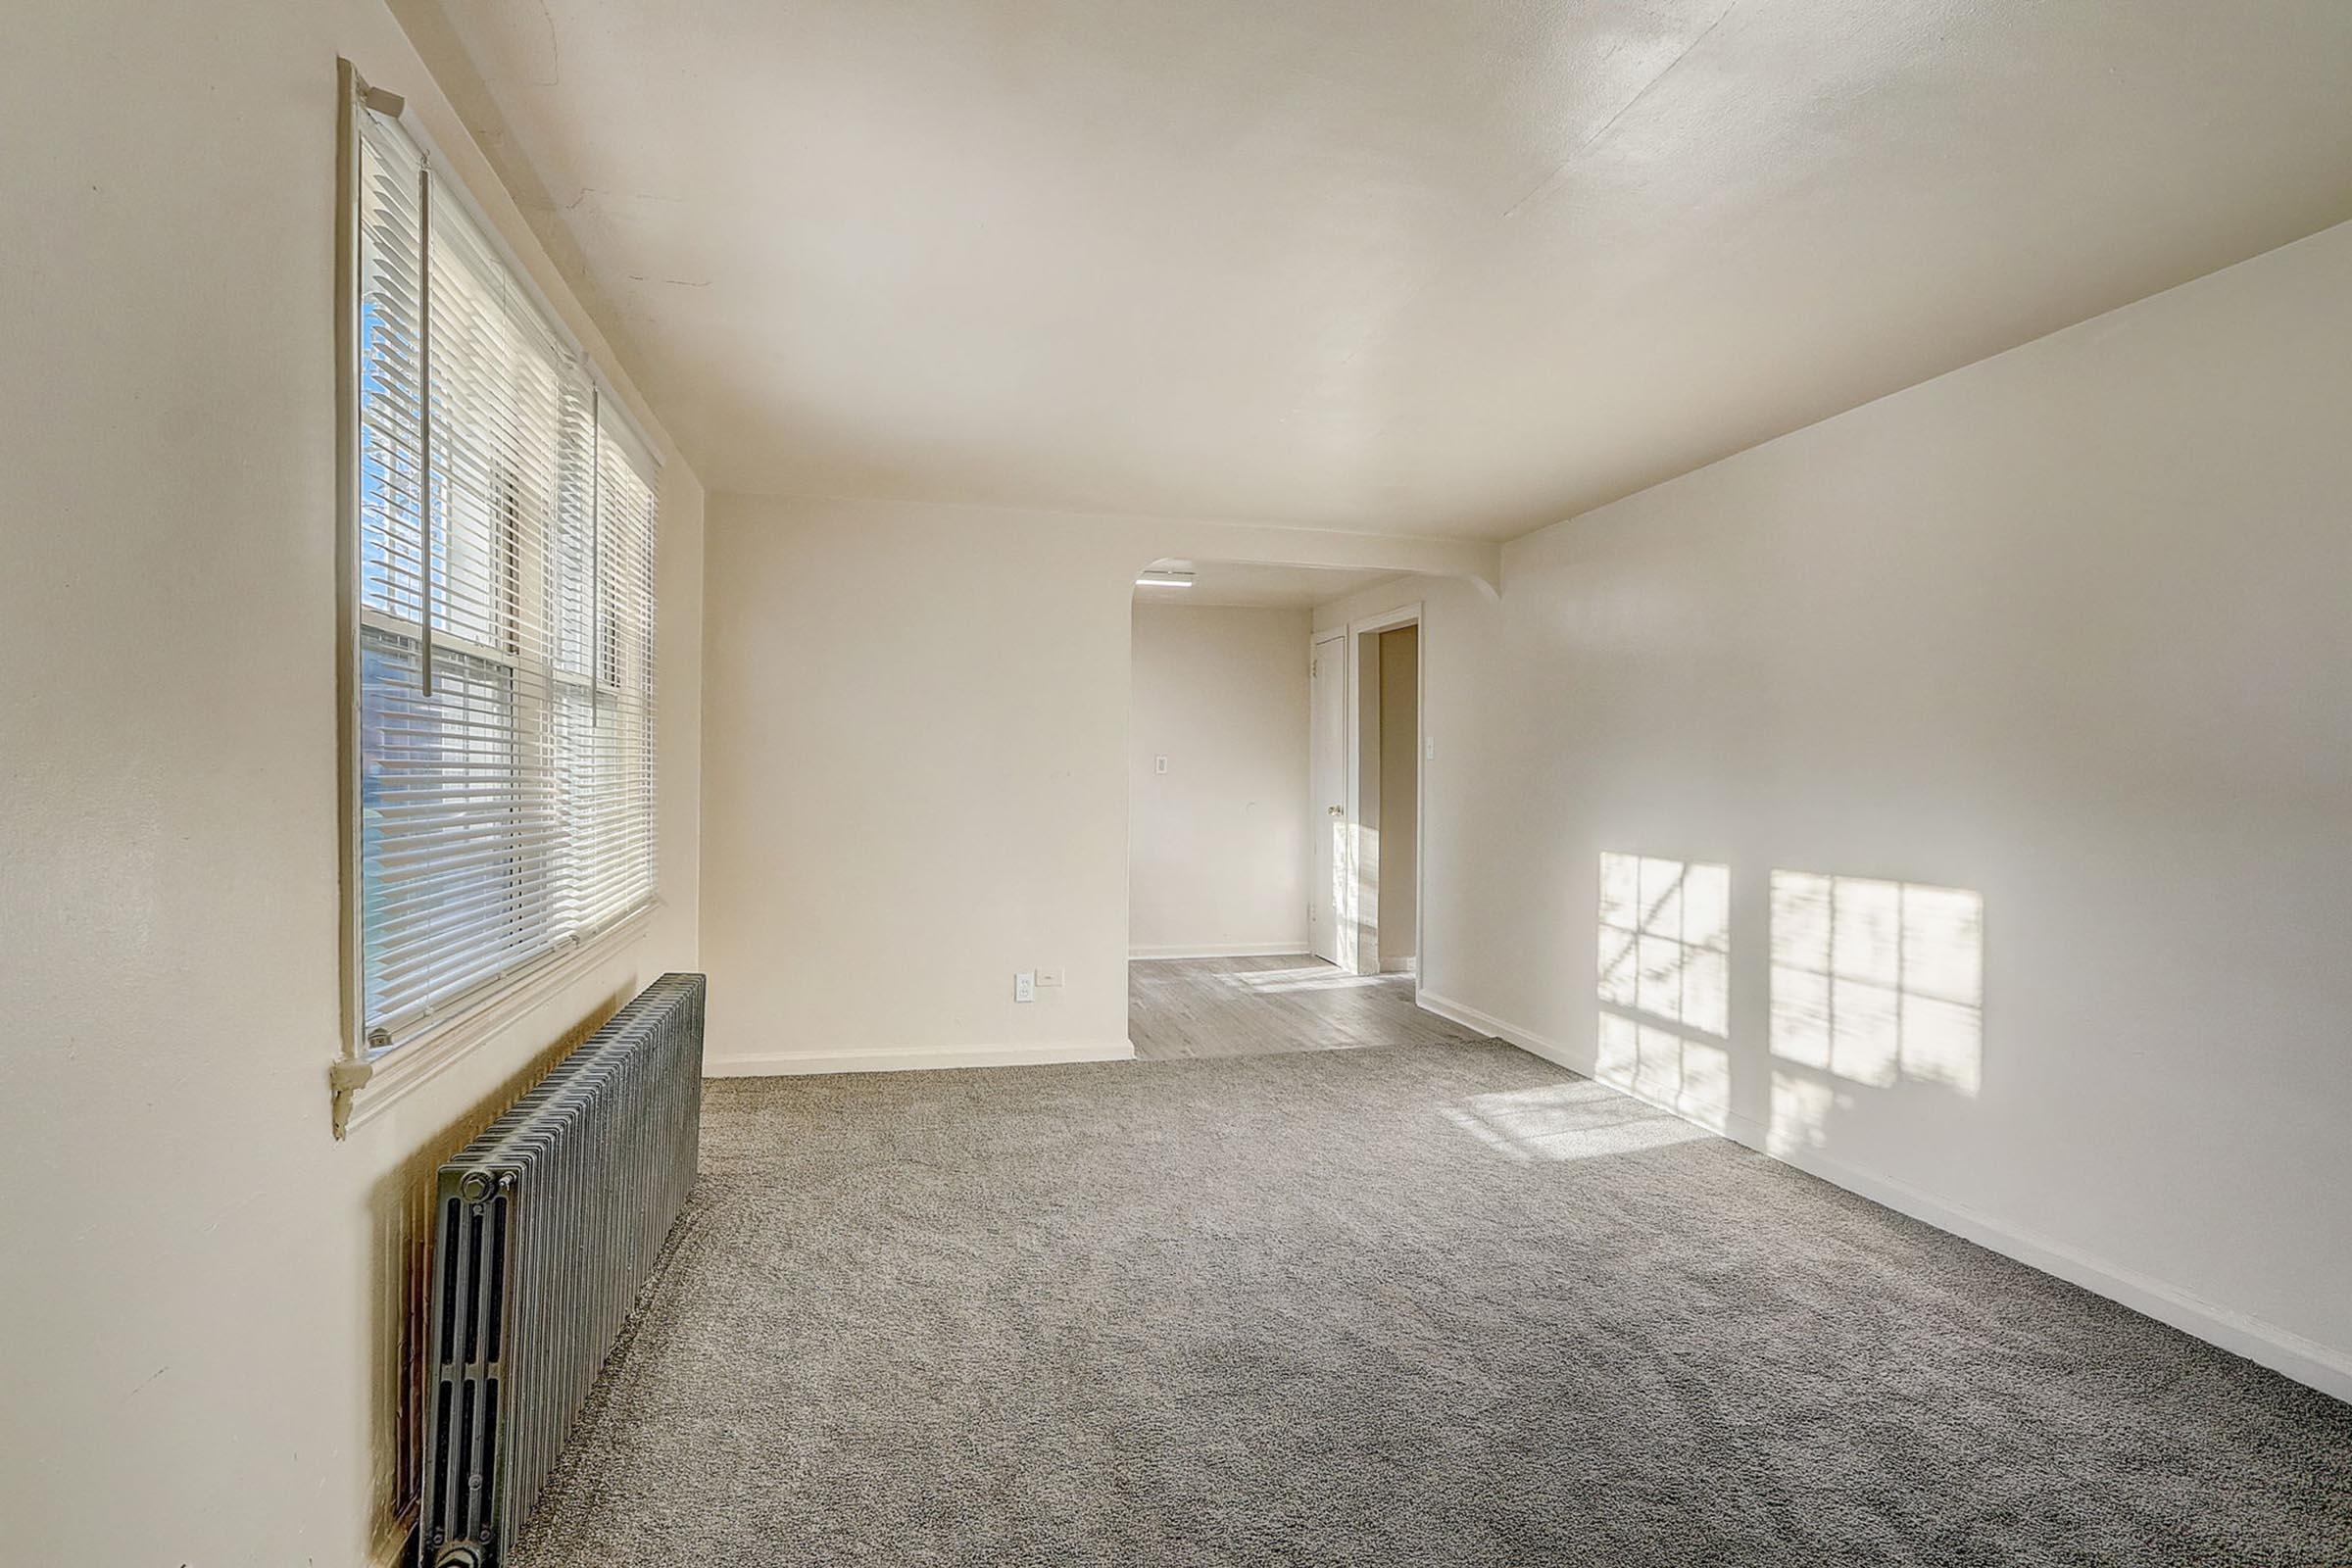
<point>1183,1008</point>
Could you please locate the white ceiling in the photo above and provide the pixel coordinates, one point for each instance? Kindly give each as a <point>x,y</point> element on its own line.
<point>1263,587</point>
<point>1421,266</point>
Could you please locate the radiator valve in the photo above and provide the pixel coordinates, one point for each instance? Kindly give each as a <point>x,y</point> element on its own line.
<point>458,1555</point>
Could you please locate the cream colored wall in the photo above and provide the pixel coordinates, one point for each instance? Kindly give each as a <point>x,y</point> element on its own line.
<point>915,782</point>
<point>2068,629</point>
<point>194,1360</point>
<point>1217,845</point>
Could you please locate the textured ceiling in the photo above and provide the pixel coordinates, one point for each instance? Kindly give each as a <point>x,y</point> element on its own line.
<point>1399,265</point>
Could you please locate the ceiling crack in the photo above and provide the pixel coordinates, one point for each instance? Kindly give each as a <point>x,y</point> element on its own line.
<point>1552,178</point>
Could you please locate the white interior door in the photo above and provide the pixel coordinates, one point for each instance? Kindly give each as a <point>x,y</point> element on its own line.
<point>1327,800</point>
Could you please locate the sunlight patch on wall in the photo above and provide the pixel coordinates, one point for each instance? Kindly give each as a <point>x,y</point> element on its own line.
<point>1341,892</point>
<point>1576,1120</point>
<point>1877,981</point>
<point>1801,1108</point>
<point>1665,940</point>
<point>1666,1067</point>
<point>1665,983</point>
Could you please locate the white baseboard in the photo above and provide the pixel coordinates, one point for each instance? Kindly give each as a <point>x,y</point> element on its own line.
<point>1295,948</point>
<point>1407,964</point>
<point>1470,1018</point>
<point>2256,1339</point>
<point>914,1058</point>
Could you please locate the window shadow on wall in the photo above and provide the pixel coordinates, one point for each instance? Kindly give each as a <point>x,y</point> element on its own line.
<point>1665,983</point>
<point>1879,982</point>
<point>1875,984</point>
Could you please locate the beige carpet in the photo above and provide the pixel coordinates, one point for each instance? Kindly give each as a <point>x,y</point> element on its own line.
<point>1417,1304</point>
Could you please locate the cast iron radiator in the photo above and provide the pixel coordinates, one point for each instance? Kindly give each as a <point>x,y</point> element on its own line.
<point>544,1229</point>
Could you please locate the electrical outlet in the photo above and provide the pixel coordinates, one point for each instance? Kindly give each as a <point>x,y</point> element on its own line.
<point>1047,977</point>
<point>1429,748</point>
<point>1025,986</point>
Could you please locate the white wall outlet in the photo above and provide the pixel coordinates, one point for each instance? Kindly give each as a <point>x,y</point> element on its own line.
<point>1428,746</point>
<point>1049,977</point>
<point>1160,765</point>
<point>1025,986</point>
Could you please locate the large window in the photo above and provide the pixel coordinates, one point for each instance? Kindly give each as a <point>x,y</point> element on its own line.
<point>503,615</point>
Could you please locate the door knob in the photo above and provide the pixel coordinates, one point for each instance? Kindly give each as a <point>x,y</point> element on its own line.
<point>1336,810</point>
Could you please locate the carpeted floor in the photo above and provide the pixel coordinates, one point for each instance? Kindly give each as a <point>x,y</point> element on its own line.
<point>1414,1304</point>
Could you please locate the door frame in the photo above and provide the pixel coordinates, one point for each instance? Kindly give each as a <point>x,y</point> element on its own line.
<point>1342,916</point>
<point>1360,948</point>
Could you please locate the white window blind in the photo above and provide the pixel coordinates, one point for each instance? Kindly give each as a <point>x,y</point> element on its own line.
<point>505,616</point>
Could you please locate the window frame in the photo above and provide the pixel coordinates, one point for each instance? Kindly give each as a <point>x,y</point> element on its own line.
<point>366,1079</point>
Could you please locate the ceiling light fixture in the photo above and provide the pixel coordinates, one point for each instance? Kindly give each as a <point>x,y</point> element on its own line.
<point>1164,579</point>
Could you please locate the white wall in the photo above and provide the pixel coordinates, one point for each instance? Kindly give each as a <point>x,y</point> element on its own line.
<point>1217,845</point>
<point>194,1356</point>
<point>2071,629</point>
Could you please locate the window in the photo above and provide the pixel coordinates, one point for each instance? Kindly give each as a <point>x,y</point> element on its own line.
<point>502,619</point>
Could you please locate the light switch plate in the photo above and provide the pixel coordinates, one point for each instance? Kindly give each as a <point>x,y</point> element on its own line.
<point>1049,977</point>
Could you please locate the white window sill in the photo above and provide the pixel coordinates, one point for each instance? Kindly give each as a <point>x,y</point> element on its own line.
<point>402,1071</point>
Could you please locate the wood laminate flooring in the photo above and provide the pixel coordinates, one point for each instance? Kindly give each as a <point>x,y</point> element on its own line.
<point>1180,1008</point>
